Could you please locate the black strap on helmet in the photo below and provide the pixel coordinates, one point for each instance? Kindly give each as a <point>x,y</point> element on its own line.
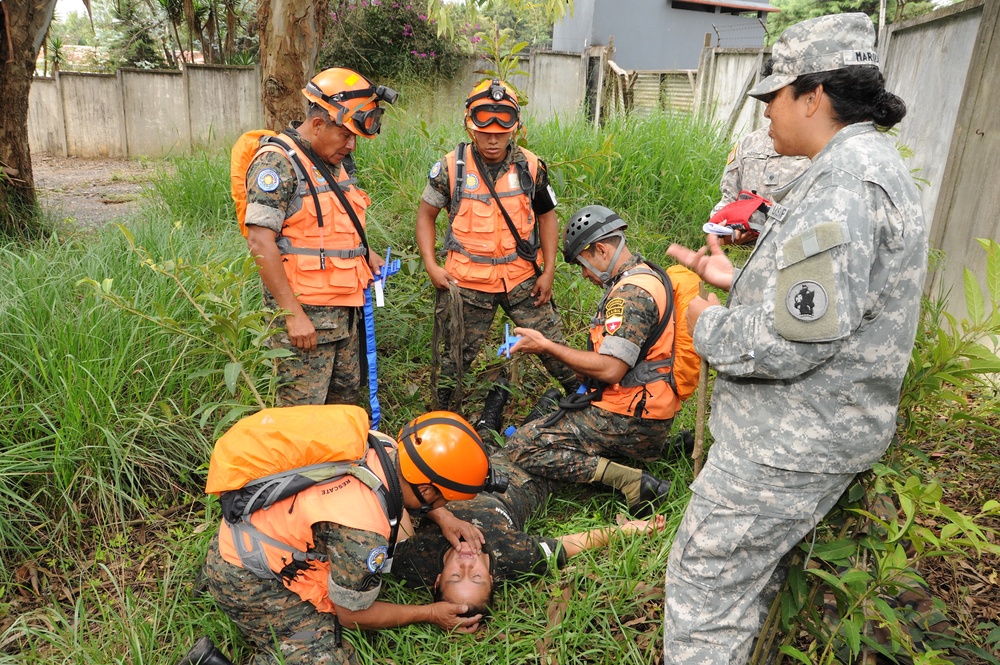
<point>410,432</point>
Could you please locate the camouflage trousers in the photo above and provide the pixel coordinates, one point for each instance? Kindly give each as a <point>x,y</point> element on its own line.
<point>478,311</point>
<point>569,449</point>
<point>329,374</point>
<point>281,626</point>
<point>742,519</point>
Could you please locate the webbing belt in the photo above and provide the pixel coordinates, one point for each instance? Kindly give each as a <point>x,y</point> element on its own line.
<point>285,247</point>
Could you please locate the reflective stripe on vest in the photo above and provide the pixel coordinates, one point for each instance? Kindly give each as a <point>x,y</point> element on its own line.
<point>346,501</point>
<point>481,250</point>
<point>325,266</point>
<point>661,402</point>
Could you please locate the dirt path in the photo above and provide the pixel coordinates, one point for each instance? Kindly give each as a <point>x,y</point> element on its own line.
<point>91,192</point>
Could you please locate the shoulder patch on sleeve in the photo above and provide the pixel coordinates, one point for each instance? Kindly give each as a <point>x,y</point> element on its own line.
<point>732,154</point>
<point>376,558</point>
<point>614,314</point>
<point>435,170</point>
<point>268,180</point>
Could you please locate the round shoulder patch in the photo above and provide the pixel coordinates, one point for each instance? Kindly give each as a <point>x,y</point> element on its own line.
<point>376,558</point>
<point>268,180</point>
<point>471,181</point>
<point>435,170</point>
<point>807,300</point>
<point>318,177</point>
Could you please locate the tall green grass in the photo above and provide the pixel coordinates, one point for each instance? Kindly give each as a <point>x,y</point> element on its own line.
<point>99,425</point>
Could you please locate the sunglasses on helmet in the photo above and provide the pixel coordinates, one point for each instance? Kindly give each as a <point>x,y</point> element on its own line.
<point>484,115</point>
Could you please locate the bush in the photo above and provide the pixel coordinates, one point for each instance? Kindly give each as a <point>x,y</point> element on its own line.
<point>385,39</point>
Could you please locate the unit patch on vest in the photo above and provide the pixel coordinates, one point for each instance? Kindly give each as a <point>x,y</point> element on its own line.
<point>807,300</point>
<point>376,558</point>
<point>614,312</point>
<point>471,181</point>
<point>268,180</point>
<point>435,170</point>
<point>318,177</point>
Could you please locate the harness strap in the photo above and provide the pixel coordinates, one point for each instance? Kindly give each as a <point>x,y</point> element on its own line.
<point>285,247</point>
<point>453,244</point>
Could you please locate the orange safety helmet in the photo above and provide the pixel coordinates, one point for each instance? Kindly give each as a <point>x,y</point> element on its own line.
<point>443,449</point>
<point>351,99</point>
<point>492,108</point>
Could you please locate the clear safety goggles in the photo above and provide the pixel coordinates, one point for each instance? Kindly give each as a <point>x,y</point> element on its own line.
<point>484,115</point>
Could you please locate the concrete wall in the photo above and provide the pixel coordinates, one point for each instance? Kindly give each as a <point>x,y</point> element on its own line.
<point>222,102</point>
<point>156,118</point>
<point>652,34</point>
<point>558,85</point>
<point>157,113</point>
<point>926,62</point>
<point>93,115</point>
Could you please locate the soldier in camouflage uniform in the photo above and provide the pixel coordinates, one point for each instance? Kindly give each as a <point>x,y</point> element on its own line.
<point>806,397</point>
<point>488,265</point>
<point>754,166</point>
<point>314,265</point>
<point>294,618</point>
<point>617,419</point>
<point>428,560</point>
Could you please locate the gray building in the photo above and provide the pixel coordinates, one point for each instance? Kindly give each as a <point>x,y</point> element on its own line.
<point>661,34</point>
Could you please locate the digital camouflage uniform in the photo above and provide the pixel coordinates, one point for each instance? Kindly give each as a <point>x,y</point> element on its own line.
<point>501,517</point>
<point>276,620</point>
<point>753,165</point>
<point>330,374</point>
<point>479,307</point>
<point>807,389</point>
<point>568,449</point>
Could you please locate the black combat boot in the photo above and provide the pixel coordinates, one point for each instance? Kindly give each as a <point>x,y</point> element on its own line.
<point>547,403</point>
<point>491,420</point>
<point>204,653</point>
<point>653,493</point>
<point>442,399</point>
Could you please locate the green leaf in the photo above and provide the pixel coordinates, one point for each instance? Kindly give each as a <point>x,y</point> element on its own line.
<point>992,268</point>
<point>796,654</point>
<point>973,297</point>
<point>852,634</point>
<point>837,551</point>
<point>232,375</point>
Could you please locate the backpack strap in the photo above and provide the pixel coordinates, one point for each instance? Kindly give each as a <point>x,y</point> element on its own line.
<point>645,371</point>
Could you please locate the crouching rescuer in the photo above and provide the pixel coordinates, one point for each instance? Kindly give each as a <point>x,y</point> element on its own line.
<point>639,365</point>
<point>313,505</point>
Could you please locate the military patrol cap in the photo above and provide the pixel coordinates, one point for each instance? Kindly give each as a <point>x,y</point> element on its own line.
<point>820,44</point>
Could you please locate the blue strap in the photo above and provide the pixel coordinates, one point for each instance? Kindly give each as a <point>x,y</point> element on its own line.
<point>372,362</point>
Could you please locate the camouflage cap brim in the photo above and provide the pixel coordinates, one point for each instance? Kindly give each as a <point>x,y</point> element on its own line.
<point>771,84</point>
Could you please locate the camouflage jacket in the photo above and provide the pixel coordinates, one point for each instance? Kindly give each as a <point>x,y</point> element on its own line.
<point>754,165</point>
<point>813,345</point>
<point>501,518</point>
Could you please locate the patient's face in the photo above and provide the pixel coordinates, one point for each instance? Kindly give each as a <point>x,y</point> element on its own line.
<point>465,577</point>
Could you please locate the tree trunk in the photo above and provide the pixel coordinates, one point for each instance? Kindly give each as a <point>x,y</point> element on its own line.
<point>230,46</point>
<point>290,36</point>
<point>23,26</point>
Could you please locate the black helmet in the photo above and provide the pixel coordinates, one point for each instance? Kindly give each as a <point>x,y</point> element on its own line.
<point>589,225</point>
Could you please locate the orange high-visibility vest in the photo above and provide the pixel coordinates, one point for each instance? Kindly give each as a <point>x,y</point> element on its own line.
<point>670,354</point>
<point>339,276</point>
<point>481,249</point>
<point>347,502</point>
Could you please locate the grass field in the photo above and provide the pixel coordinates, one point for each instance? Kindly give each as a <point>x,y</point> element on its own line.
<point>113,385</point>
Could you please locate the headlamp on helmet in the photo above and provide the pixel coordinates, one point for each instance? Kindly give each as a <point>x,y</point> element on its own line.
<point>491,108</point>
<point>351,99</point>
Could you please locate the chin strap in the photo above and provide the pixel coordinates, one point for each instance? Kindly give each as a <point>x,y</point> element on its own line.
<point>605,275</point>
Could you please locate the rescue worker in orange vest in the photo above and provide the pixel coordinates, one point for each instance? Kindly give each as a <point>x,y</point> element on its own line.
<point>629,369</point>
<point>307,562</point>
<point>493,237</point>
<point>305,218</point>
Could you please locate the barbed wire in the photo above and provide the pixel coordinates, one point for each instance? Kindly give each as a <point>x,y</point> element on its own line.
<point>745,35</point>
